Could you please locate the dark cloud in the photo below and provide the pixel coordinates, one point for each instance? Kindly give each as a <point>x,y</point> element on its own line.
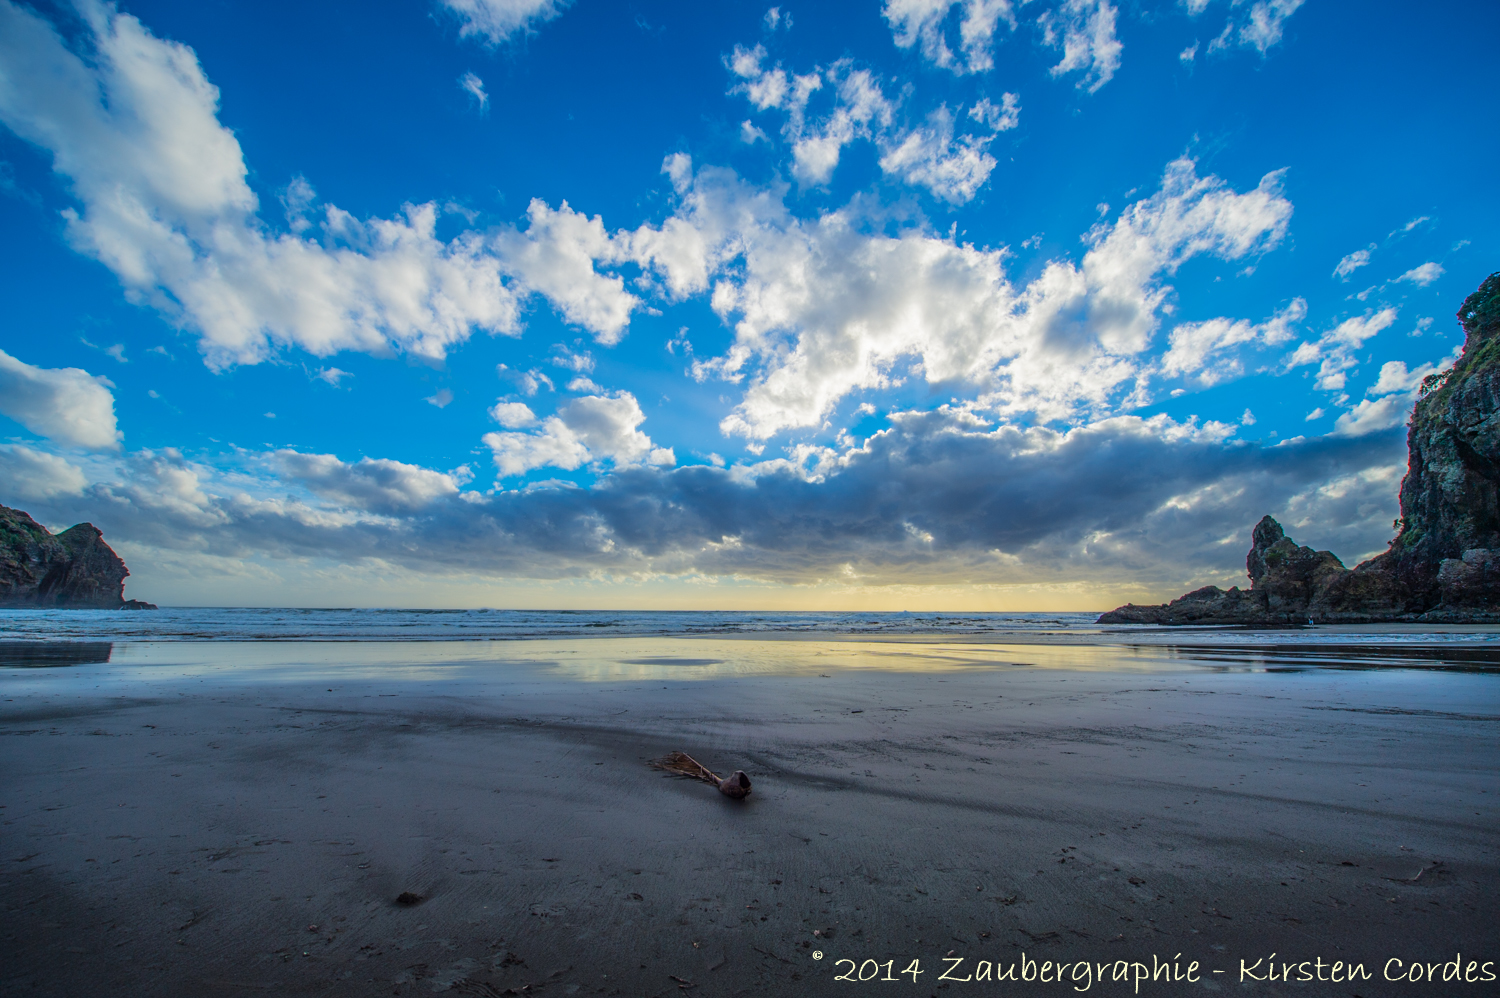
<point>939,497</point>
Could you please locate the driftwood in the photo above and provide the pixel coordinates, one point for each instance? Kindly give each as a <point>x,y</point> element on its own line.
<point>736,784</point>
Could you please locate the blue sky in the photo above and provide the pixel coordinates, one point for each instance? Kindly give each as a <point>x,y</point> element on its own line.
<point>915,304</point>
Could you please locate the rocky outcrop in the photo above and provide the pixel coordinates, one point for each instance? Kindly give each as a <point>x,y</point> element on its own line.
<point>1443,566</point>
<point>72,569</point>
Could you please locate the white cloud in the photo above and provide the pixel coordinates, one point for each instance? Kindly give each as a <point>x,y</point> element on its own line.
<point>376,485</point>
<point>528,382</point>
<point>998,119</point>
<point>332,375</point>
<point>915,22</point>
<point>556,255</point>
<point>1394,377</point>
<point>513,415</point>
<point>65,404</point>
<point>1260,29</point>
<point>579,361</point>
<point>1391,397</point>
<point>1187,55</point>
<point>861,106</point>
<point>1264,27</point>
<point>1352,262</point>
<point>929,157</point>
<point>1423,275</point>
<point>1334,351</point>
<point>821,308</point>
<point>496,21</point>
<point>31,475</point>
<point>1403,230</point>
<point>591,428</point>
<point>441,398</point>
<point>165,205</point>
<point>1373,415</point>
<point>1085,31</point>
<point>1195,346</point>
<point>474,87</point>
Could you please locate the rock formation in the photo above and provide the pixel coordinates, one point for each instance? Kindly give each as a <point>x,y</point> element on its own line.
<point>1443,566</point>
<point>73,569</point>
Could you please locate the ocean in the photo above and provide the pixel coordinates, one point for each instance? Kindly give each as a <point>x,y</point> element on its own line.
<point>357,624</point>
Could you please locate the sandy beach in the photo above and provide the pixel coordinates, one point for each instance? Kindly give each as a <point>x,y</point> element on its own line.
<point>205,819</point>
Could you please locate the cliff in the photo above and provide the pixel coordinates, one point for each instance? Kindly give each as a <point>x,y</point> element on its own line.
<point>1443,566</point>
<point>74,569</point>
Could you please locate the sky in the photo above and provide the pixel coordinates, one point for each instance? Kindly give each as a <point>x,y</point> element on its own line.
<point>914,304</point>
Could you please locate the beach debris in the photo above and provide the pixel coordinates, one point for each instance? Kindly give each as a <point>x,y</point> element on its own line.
<point>408,899</point>
<point>736,784</point>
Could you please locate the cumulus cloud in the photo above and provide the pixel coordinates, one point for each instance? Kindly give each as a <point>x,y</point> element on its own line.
<point>556,254</point>
<point>953,167</point>
<point>1390,399</point>
<point>591,428</point>
<point>1423,275</point>
<point>512,415</point>
<point>1197,348</point>
<point>1334,351</point>
<point>31,475</point>
<point>922,23</point>
<point>377,485</point>
<point>65,404</point>
<point>929,157</point>
<point>497,21</point>
<point>821,308</point>
<point>165,205</point>
<point>861,109</point>
<point>1372,415</point>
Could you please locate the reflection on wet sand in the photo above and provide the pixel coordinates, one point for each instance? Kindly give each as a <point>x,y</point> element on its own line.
<point>1282,658</point>
<point>596,660</point>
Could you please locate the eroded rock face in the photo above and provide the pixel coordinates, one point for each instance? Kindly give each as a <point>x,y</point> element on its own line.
<point>1450,498</point>
<point>72,569</point>
<point>1443,566</point>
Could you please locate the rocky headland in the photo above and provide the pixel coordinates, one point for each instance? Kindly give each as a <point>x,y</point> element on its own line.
<point>1443,566</point>
<point>74,569</point>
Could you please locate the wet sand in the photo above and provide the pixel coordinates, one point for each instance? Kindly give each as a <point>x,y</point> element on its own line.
<point>202,820</point>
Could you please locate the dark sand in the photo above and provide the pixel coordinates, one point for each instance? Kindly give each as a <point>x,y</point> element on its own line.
<point>245,828</point>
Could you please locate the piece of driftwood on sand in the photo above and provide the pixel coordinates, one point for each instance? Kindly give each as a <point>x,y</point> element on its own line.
<point>736,784</point>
